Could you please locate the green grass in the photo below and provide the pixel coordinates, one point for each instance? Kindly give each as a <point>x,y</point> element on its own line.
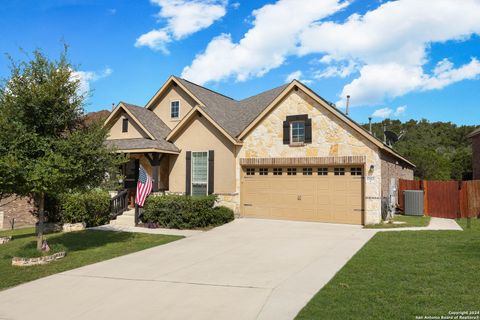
<point>83,247</point>
<point>410,221</point>
<point>400,275</point>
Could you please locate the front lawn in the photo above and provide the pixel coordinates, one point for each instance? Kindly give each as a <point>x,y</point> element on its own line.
<point>409,221</point>
<point>83,247</point>
<point>400,275</point>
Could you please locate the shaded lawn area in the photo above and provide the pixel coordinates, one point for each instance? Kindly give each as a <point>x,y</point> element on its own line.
<point>410,221</point>
<point>400,275</point>
<point>83,247</point>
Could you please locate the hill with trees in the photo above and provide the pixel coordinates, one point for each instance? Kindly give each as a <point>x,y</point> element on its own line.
<point>440,150</point>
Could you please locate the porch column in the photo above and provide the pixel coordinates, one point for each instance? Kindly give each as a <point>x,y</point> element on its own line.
<point>155,169</point>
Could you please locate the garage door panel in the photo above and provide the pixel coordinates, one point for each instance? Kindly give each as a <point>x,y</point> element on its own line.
<point>326,198</point>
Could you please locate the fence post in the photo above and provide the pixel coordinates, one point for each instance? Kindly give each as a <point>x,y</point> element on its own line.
<point>424,187</point>
<point>459,208</point>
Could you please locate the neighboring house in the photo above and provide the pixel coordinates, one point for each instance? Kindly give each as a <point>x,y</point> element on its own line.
<point>475,136</point>
<point>285,153</point>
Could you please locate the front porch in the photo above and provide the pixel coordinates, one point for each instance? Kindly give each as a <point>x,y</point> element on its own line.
<point>157,165</point>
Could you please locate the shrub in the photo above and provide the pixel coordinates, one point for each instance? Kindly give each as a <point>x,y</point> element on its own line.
<point>91,207</point>
<point>183,212</point>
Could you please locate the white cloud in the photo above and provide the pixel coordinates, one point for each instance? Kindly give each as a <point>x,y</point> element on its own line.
<point>183,19</point>
<point>273,37</point>
<point>341,71</point>
<point>388,112</point>
<point>86,77</point>
<point>400,111</point>
<point>235,5</point>
<point>155,39</point>
<point>444,74</point>
<point>390,45</point>
<point>297,75</point>
<point>382,113</point>
<point>386,49</point>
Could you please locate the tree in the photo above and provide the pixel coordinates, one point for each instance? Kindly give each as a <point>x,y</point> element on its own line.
<point>440,150</point>
<point>45,146</point>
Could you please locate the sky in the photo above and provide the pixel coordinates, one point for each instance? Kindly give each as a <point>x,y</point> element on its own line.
<point>404,59</point>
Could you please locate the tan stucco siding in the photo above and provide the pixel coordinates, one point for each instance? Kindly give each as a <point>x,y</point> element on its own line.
<point>162,105</point>
<point>134,131</point>
<point>200,135</point>
<point>330,137</point>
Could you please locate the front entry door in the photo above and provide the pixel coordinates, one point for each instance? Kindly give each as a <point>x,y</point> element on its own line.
<point>130,171</point>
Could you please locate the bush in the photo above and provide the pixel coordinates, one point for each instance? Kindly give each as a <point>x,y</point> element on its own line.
<point>183,212</point>
<point>91,207</point>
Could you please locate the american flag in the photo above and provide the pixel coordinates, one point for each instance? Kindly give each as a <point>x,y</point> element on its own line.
<point>144,186</point>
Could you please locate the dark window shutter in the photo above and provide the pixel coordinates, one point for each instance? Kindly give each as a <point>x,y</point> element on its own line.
<point>308,131</point>
<point>286,132</point>
<point>211,159</point>
<point>188,173</point>
<point>125,125</point>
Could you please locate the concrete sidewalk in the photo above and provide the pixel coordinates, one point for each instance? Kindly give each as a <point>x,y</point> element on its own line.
<point>247,269</point>
<point>435,224</point>
<point>170,232</point>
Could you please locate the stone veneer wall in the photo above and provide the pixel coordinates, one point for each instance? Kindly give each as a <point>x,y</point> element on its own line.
<point>330,137</point>
<point>231,201</point>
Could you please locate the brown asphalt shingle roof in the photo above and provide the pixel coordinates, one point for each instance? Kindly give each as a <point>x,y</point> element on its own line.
<point>154,125</point>
<point>232,115</point>
<point>140,143</point>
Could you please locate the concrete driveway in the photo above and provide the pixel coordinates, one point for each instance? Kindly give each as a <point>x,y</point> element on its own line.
<point>247,269</point>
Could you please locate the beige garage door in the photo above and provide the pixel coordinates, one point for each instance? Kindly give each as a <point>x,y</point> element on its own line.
<point>326,194</point>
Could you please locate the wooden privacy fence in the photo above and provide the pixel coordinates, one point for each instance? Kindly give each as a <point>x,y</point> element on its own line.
<point>445,199</point>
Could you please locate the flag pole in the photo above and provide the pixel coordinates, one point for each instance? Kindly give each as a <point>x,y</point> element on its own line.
<point>136,214</point>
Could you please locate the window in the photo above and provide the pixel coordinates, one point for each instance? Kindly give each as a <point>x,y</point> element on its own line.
<point>263,171</point>
<point>298,131</point>
<point>125,125</point>
<point>277,171</point>
<point>250,171</point>
<point>199,173</point>
<point>292,171</point>
<point>339,171</point>
<point>307,171</point>
<point>356,171</point>
<point>322,171</point>
<point>174,109</point>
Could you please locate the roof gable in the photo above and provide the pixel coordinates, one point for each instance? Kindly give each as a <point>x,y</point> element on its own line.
<point>322,102</point>
<point>148,121</point>
<point>122,107</point>
<point>185,121</point>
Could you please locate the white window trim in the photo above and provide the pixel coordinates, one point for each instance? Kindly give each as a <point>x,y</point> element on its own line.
<point>191,171</point>
<point>291,133</point>
<point>178,117</point>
